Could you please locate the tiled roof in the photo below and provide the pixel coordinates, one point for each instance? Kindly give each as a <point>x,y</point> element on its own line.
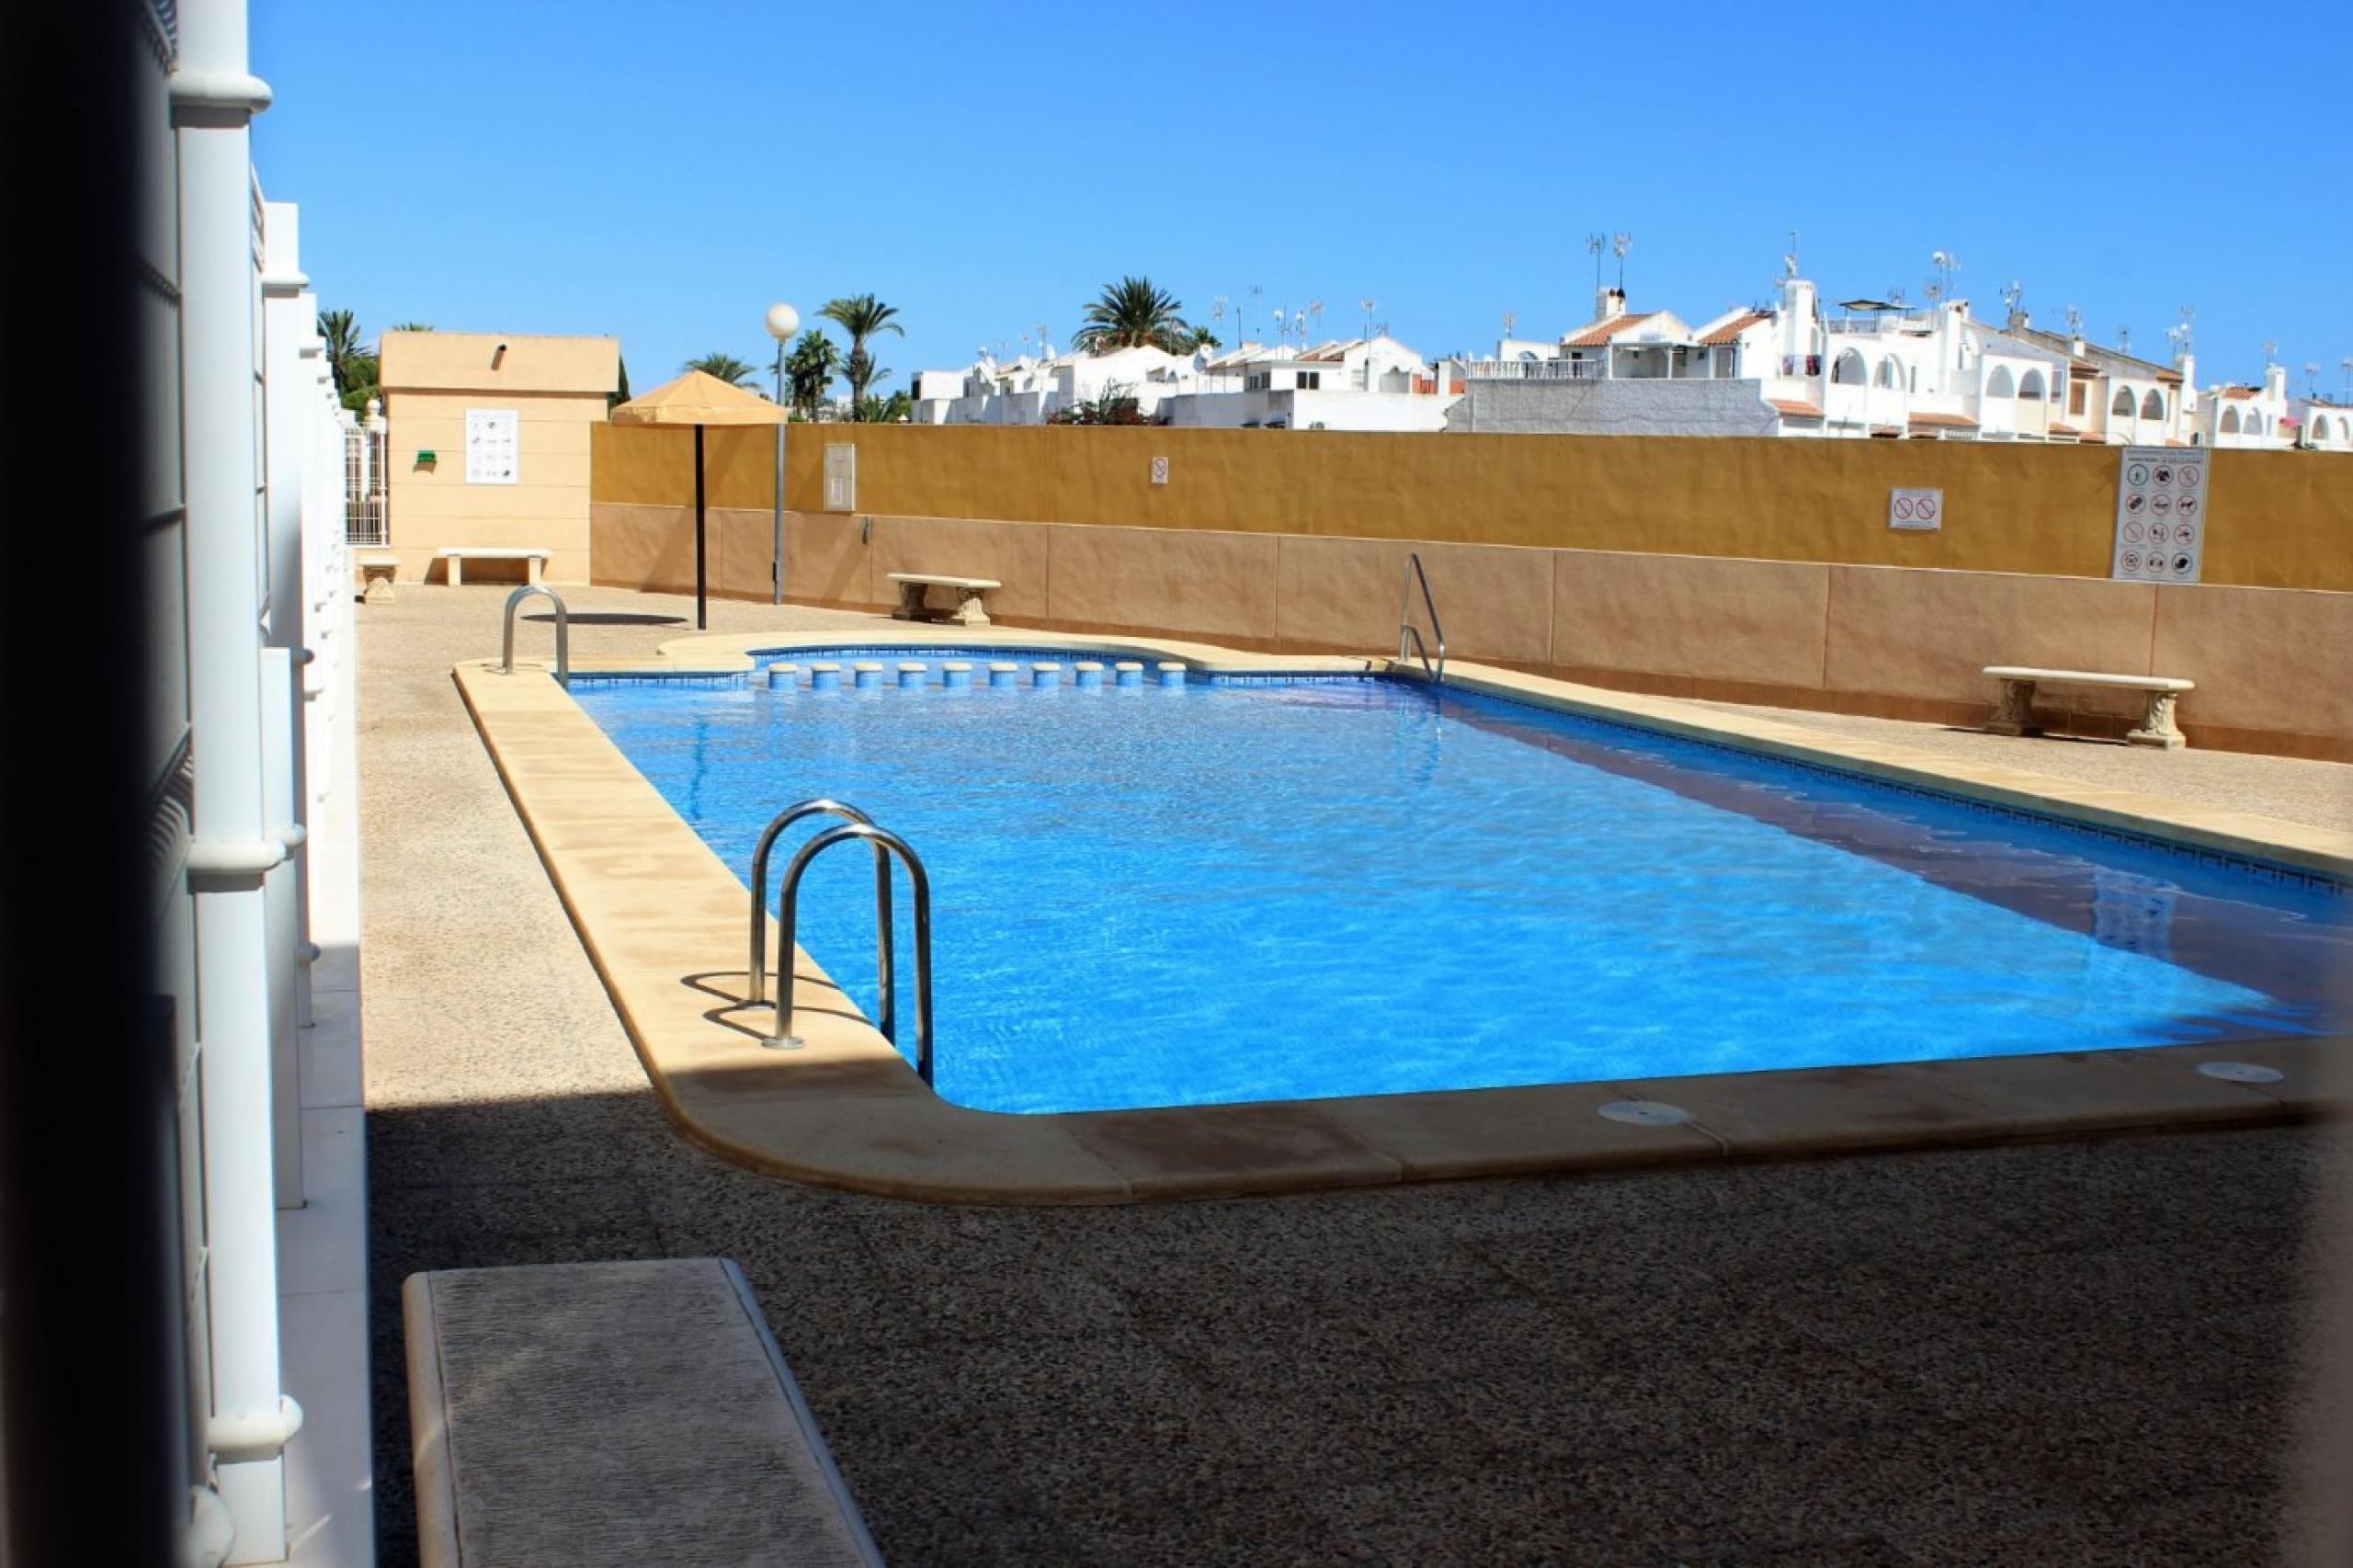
<point>1795,408</point>
<point>2069,430</point>
<point>2236,392</point>
<point>1732,329</point>
<point>1599,332</point>
<point>1944,421</point>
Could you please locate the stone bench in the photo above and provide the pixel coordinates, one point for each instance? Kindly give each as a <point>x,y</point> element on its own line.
<point>970,593</point>
<point>583,1412</point>
<point>378,572</point>
<point>534,560</point>
<point>2016,715</point>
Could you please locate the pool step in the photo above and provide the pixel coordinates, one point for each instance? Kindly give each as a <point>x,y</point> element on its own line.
<point>916,675</point>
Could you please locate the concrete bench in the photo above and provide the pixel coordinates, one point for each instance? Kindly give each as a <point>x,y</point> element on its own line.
<point>534,560</point>
<point>969,593</point>
<point>2016,715</point>
<point>378,572</point>
<point>583,1412</point>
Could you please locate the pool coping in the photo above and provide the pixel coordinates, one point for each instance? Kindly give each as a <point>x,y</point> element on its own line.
<point>663,919</point>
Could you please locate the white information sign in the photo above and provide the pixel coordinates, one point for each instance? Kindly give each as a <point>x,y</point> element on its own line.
<point>2160,514</point>
<point>1159,471</point>
<point>1916,509</point>
<point>492,445</point>
<point>841,477</point>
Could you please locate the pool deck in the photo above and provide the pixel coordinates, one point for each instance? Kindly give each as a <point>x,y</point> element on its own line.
<point>1894,1357</point>
<point>662,917</point>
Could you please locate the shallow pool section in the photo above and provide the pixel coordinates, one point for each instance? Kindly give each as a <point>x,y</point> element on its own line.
<point>1269,890</point>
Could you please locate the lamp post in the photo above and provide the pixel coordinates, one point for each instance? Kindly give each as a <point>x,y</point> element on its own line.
<point>783,322</point>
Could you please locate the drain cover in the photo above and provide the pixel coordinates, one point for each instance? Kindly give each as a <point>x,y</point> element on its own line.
<point>2240,1072</point>
<point>1646,1113</point>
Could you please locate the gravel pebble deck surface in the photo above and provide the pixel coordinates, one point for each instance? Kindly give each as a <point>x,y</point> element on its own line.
<point>2069,1352</point>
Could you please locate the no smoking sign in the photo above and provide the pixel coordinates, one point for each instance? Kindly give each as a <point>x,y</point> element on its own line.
<point>1915,509</point>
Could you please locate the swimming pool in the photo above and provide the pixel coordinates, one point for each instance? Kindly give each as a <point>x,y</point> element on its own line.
<point>1249,890</point>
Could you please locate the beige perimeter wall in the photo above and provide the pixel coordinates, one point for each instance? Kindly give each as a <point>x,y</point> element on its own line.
<point>2274,666</point>
<point>2275,519</point>
<point>1752,570</point>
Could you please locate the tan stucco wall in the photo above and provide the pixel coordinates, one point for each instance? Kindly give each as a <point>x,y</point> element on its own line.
<point>2279,519</point>
<point>2274,666</point>
<point>556,387</point>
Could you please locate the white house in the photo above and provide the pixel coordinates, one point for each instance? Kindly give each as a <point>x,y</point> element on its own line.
<point>2323,425</point>
<point>2256,416</point>
<point>1876,369</point>
<point>1373,384</point>
<point>2116,398</point>
<point>1032,391</point>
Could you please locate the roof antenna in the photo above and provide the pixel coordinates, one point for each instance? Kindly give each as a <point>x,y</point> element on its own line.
<point>1594,243</point>
<point>1618,245</point>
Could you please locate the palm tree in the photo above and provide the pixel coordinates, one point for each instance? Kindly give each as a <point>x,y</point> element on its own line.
<point>1131,313</point>
<point>862,316</point>
<point>354,370</point>
<point>727,368</point>
<point>413,326</point>
<point>876,409</point>
<point>808,370</point>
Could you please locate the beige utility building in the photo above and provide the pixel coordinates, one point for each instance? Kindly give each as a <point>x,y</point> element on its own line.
<point>486,453</point>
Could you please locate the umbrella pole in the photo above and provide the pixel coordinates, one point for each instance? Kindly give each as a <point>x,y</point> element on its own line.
<point>702,620</point>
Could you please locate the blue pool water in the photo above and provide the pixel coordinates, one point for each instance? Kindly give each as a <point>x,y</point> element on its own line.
<point>1229,893</point>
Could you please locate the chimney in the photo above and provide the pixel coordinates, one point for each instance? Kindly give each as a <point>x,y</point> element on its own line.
<point>2275,382</point>
<point>1608,304</point>
<point>2018,321</point>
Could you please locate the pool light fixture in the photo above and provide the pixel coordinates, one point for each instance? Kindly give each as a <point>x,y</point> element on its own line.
<point>1643,1113</point>
<point>2240,1072</point>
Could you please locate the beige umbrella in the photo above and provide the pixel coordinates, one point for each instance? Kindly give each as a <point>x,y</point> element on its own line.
<point>697,398</point>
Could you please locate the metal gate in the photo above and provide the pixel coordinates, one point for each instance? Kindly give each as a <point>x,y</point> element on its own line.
<point>363,475</point>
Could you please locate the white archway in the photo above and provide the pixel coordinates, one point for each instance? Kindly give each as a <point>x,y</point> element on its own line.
<point>2122,407</point>
<point>2153,406</point>
<point>1847,370</point>
<point>2032,387</point>
<point>1887,372</point>
<point>2230,422</point>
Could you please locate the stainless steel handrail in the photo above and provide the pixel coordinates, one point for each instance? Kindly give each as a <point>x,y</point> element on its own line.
<point>788,918</point>
<point>886,1001</point>
<point>562,631</point>
<point>1406,632</point>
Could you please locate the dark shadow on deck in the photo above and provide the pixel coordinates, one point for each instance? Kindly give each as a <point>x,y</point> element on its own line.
<point>1995,1354</point>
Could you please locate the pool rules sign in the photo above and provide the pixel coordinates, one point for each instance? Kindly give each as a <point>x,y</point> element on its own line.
<point>2160,515</point>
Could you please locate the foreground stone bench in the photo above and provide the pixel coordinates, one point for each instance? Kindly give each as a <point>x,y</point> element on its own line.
<point>969,593</point>
<point>593,1413</point>
<point>534,560</point>
<point>2016,715</point>
<point>378,572</point>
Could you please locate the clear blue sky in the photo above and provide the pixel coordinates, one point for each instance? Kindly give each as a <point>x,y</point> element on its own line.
<point>661,172</point>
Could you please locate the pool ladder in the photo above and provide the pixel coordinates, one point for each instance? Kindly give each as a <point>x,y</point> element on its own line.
<point>856,825</point>
<point>1409,637</point>
<point>562,631</point>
